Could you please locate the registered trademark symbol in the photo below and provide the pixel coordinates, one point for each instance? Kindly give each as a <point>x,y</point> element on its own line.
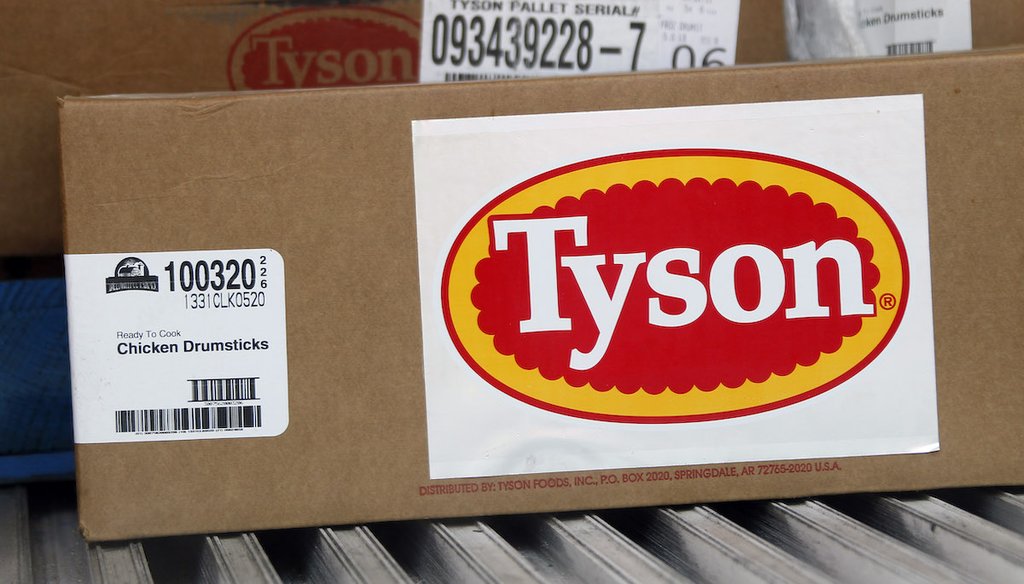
<point>887,301</point>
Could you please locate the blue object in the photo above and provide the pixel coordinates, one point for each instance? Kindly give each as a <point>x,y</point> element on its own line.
<point>18,468</point>
<point>35,377</point>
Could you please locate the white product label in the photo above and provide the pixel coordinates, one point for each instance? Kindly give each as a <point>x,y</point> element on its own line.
<point>177,345</point>
<point>501,39</point>
<point>910,27</point>
<point>681,286</point>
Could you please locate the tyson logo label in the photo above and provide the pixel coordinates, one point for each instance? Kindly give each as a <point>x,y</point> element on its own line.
<point>675,286</point>
<point>326,47</point>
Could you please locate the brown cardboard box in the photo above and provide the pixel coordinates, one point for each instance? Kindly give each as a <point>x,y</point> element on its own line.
<point>997,23</point>
<point>761,37</point>
<point>326,179</point>
<point>51,49</point>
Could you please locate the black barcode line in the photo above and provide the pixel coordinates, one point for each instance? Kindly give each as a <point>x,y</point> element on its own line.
<point>223,389</point>
<point>920,48</point>
<point>188,419</point>
<point>480,76</point>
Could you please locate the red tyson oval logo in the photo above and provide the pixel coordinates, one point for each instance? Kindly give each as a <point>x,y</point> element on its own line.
<point>691,285</point>
<point>326,47</point>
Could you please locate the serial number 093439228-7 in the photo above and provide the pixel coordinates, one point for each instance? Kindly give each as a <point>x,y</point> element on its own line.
<point>518,43</point>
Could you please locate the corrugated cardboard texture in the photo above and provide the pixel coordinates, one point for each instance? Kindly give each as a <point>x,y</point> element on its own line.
<point>53,49</point>
<point>761,37</point>
<point>997,23</point>
<point>50,49</point>
<point>325,177</point>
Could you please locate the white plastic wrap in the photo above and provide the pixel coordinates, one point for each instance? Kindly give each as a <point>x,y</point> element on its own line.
<point>825,29</point>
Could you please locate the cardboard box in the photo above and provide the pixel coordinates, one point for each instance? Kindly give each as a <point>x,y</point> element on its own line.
<point>126,47</point>
<point>761,37</point>
<point>326,179</point>
<point>997,23</point>
<point>120,47</point>
<point>52,49</point>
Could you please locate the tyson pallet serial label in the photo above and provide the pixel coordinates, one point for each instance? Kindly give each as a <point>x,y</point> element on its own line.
<point>659,306</point>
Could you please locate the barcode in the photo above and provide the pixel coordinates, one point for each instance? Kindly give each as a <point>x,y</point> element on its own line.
<point>921,48</point>
<point>188,419</point>
<point>479,76</point>
<point>228,389</point>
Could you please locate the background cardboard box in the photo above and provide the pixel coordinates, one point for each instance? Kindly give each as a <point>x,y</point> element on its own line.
<point>49,49</point>
<point>52,49</point>
<point>997,23</point>
<point>326,179</point>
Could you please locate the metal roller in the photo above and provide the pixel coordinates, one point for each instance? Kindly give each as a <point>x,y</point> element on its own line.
<point>15,552</point>
<point>705,545</point>
<point>845,549</point>
<point>975,545</point>
<point>583,548</point>
<point>235,559</point>
<point>965,535</point>
<point>353,554</point>
<point>457,551</point>
<point>1000,507</point>
<point>119,564</point>
<point>59,554</point>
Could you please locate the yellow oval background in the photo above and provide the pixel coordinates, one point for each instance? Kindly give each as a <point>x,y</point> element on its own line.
<point>804,382</point>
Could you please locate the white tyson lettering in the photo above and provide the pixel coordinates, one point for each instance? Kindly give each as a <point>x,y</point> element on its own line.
<point>605,306</point>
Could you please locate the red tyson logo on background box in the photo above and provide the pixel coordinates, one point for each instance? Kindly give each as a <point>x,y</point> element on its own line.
<point>326,47</point>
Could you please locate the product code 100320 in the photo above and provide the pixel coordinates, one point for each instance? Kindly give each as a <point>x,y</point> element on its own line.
<point>217,275</point>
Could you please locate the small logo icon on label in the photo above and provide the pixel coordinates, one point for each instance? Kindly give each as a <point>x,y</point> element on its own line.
<point>132,273</point>
<point>326,47</point>
<point>675,286</point>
